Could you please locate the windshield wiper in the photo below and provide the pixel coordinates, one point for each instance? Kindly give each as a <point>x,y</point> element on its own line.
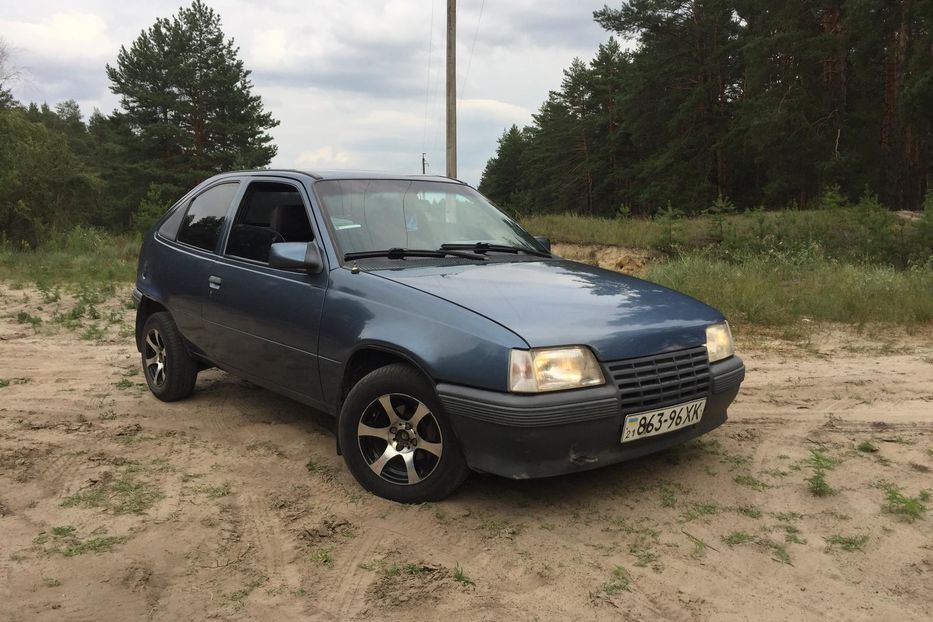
<point>483,247</point>
<point>401,253</point>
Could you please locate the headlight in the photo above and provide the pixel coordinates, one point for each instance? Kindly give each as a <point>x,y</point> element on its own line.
<point>719,342</point>
<point>553,369</point>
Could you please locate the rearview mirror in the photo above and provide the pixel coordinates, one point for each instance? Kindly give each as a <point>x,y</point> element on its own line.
<point>296,256</point>
<point>545,242</point>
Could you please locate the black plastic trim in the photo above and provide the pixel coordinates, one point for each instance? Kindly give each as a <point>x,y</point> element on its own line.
<point>525,411</point>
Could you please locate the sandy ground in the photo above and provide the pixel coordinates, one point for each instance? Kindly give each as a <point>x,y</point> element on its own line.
<point>233,504</point>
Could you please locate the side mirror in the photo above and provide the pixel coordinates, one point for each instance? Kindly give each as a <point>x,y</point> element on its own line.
<point>296,256</point>
<point>545,242</point>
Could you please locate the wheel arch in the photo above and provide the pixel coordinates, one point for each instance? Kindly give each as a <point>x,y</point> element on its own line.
<point>369,357</point>
<point>147,306</point>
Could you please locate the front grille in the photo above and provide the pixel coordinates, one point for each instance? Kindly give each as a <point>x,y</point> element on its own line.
<point>662,379</point>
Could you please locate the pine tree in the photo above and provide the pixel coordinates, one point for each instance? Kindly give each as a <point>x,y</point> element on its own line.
<point>188,97</point>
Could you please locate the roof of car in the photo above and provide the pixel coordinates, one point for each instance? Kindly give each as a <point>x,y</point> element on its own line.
<point>347,174</point>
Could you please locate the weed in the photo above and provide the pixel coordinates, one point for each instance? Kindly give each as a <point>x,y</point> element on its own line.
<point>619,581</point>
<point>325,471</point>
<point>24,317</point>
<point>788,517</point>
<point>100,544</point>
<point>461,577</point>
<point>238,598</point>
<point>867,447</point>
<point>323,557</point>
<point>123,495</point>
<point>792,535</point>
<point>778,551</point>
<point>50,582</point>
<point>751,511</point>
<point>123,384</point>
<point>93,333</point>
<point>751,482</point>
<point>696,510</point>
<point>4,383</point>
<point>737,537</point>
<point>818,485</point>
<point>215,492</point>
<point>847,543</point>
<point>63,532</point>
<point>907,508</point>
<point>819,462</point>
<point>668,499</point>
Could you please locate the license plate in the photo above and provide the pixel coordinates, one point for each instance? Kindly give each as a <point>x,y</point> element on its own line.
<point>662,420</point>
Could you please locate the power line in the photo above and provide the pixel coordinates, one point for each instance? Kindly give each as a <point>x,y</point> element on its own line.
<point>479,20</point>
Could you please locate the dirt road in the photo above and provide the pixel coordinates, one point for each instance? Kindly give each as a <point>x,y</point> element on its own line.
<point>233,504</point>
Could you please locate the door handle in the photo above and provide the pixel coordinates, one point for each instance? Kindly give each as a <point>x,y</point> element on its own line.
<point>214,282</point>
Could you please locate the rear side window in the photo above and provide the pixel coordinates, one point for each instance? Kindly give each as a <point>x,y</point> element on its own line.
<point>205,217</point>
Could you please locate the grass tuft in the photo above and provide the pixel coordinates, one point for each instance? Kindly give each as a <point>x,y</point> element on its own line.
<point>737,537</point>
<point>619,581</point>
<point>847,543</point>
<point>461,577</point>
<point>907,508</point>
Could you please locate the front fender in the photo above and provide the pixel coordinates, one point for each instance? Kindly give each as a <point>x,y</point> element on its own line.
<point>449,343</point>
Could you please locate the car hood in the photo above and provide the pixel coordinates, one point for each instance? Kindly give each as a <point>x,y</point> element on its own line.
<point>559,302</point>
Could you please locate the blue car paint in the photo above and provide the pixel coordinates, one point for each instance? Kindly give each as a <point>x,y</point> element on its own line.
<point>457,323</point>
<point>557,302</point>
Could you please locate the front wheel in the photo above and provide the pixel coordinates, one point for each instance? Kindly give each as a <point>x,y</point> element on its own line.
<point>395,439</point>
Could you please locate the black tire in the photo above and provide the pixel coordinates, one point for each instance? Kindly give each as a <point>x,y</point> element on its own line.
<point>406,455</point>
<point>172,375</point>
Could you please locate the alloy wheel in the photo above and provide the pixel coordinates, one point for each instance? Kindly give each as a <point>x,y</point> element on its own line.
<point>400,439</point>
<point>155,357</point>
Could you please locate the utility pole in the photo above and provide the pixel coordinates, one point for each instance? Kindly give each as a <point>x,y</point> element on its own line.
<point>451,88</point>
<point>424,164</point>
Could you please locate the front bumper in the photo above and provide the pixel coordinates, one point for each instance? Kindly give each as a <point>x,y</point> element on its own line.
<point>527,436</point>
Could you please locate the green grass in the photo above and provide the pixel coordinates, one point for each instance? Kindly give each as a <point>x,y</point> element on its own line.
<point>737,537</point>
<point>24,317</point>
<point>867,447</point>
<point>751,482</point>
<point>323,557</point>
<point>907,508</point>
<point>818,486</point>
<point>847,543</point>
<point>100,544</point>
<point>848,234</point>
<point>125,494</point>
<point>215,492</point>
<point>619,581</point>
<point>779,289</point>
<point>461,577</point>
<point>751,511</point>
<point>76,256</point>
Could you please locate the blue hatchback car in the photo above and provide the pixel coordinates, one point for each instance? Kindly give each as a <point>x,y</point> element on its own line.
<point>442,335</point>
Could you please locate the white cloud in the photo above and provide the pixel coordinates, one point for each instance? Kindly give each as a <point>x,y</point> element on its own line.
<point>323,158</point>
<point>347,80</point>
<point>68,37</point>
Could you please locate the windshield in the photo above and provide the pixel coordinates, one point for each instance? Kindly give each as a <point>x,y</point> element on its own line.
<point>380,214</point>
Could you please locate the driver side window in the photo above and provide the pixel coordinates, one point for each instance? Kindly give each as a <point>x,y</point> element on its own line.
<point>269,213</point>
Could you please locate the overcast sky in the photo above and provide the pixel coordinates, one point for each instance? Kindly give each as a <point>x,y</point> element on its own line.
<point>350,81</point>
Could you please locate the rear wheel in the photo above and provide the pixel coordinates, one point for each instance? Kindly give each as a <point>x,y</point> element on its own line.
<point>395,439</point>
<point>170,371</point>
